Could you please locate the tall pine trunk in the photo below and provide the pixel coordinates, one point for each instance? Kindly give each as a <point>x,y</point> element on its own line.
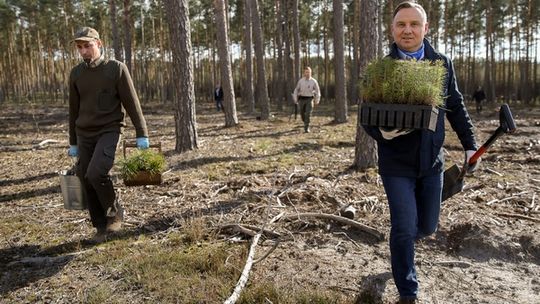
<point>340,115</point>
<point>296,39</point>
<point>127,34</point>
<point>355,53</point>
<point>229,103</point>
<point>365,155</point>
<point>280,85</point>
<point>248,45</point>
<point>182,74</point>
<point>290,79</point>
<point>114,29</point>
<point>262,88</point>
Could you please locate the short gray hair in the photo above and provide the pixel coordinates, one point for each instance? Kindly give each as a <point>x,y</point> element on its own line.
<point>410,4</point>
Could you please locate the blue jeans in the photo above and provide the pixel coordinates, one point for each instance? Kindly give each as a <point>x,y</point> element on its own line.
<point>414,204</point>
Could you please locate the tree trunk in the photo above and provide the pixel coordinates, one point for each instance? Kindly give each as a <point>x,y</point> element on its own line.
<point>509,74</point>
<point>340,115</point>
<point>290,80</point>
<point>114,28</point>
<point>262,88</point>
<point>229,103</point>
<point>127,33</point>
<point>326,49</point>
<point>182,74</point>
<point>296,38</point>
<point>280,85</point>
<point>527,87</point>
<point>248,86</point>
<point>380,22</point>
<point>488,76</point>
<point>355,53</point>
<point>365,155</point>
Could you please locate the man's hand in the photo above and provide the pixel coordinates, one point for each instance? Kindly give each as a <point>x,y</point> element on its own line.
<point>389,134</point>
<point>73,151</point>
<point>473,167</point>
<point>143,143</point>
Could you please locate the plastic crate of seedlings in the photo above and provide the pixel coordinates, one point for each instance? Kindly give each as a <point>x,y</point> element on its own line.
<point>402,94</point>
<point>142,167</point>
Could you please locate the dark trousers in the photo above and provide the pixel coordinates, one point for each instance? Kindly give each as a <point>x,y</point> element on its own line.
<point>219,104</point>
<point>306,107</point>
<point>478,106</point>
<point>96,158</point>
<point>414,204</point>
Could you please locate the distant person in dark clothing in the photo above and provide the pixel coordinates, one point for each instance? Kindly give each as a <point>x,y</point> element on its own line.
<point>479,96</point>
<point>218,97</point>
<point>101,92</point>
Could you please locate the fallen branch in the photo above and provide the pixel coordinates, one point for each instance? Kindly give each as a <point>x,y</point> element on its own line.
<point>514,196</point>
<point>45,143</point>
<point>348,237</point>
<point>276,243</point>
<point>493,171</point>
<point>461,264</point>
<point>245,273</point>
<point>519,216</point>
<point>371,231</point>
<point>219,190</point>
<point>250,230</point>
<point>507,198</point>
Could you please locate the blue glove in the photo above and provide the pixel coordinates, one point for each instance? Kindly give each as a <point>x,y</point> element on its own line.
<point>143,143</point>
<point>73,151</point>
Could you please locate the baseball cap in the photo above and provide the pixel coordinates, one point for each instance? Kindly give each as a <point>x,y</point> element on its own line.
<point>86,34</point>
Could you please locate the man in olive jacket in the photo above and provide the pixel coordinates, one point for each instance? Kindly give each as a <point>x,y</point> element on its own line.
<point>411,161</point>
<point>100,92</point>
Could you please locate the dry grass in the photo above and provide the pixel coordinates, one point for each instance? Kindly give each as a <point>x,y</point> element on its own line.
<point>170,252</point>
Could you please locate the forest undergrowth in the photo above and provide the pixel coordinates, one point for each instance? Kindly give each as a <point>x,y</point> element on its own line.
<point>187,240</point>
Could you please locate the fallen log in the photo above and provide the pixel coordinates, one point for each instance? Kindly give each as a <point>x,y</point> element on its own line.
<point>369,230</point>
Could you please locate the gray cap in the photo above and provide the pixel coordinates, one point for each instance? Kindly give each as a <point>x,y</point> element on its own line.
<point>86,34</point>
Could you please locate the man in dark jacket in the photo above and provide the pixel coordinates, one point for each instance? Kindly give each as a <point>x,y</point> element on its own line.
<point>479,97</point>
<point>218,97</point>
<point>411,161</point>
<point>100,92</point>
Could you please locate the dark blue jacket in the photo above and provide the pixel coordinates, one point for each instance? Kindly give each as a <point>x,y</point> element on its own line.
<point>419,153</point>
<point>218,94</point>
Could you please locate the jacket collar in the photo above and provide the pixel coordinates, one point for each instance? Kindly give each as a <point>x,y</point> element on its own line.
<point>429,51</point>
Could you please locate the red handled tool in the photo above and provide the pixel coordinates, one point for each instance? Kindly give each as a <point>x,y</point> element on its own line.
<point>453,176</point>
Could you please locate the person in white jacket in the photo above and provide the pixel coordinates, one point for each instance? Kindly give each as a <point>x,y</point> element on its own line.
<point>306,95</point>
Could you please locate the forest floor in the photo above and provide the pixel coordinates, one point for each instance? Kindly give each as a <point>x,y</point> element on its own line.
<point>176,246</point>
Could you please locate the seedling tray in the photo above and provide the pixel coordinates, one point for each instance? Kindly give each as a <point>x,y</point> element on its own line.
<point>399,116</point>
<point>143,178</point>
